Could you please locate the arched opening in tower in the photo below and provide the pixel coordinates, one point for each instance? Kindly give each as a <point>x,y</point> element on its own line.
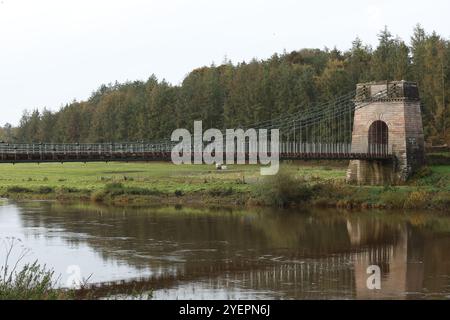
<point>378,138</point>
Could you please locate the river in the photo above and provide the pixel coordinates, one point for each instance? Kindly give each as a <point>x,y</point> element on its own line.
<point>186,253</point>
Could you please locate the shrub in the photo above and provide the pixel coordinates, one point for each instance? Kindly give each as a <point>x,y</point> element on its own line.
<point>442,200</point>
<point>114,188</point>
<point>423,173</point>
<point>426,177</point>
<point>117,189</point>
<point>70,190</point>
<point>17,189</point>
<point>98,196</point>
<point>140,191</point>
<point>416,199</point>
<point>283,190</point>
<point>221,192</point>
<point>45,190</point>
<point>393,199</point>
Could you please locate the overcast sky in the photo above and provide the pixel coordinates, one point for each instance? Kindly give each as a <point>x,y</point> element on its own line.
<point>52,52</point>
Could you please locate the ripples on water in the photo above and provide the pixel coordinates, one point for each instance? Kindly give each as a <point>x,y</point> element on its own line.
<point>218,254</point>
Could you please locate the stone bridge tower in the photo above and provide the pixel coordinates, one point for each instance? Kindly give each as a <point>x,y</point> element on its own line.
<point>387,119</point>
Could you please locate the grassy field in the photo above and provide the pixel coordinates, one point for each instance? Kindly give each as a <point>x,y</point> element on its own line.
<point>161,177</point>
<point>164,177</point>
<point>153,183</point>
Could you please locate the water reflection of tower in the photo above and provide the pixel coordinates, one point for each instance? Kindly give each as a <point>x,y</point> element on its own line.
<point>401,272</point>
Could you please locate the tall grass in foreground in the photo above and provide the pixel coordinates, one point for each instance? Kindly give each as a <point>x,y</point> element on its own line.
<point>33,281</point>
<point>30,282</point>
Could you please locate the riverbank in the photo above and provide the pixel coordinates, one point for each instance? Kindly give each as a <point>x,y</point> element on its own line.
<point>142,184</point>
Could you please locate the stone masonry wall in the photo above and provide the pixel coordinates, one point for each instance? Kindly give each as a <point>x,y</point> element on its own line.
<point>405,141</point>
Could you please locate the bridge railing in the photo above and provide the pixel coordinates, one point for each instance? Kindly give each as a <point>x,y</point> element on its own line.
<point>379,149</point>
<point>83,148</point>
<point>108,149</point>
<point>332,148</point>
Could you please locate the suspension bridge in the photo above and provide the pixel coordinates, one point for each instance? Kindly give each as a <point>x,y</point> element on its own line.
<point>375,122</point>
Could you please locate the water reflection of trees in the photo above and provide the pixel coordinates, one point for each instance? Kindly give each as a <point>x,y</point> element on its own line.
<point>303,255</point>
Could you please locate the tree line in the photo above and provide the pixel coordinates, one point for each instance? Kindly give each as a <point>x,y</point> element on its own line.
<point>231,95</point>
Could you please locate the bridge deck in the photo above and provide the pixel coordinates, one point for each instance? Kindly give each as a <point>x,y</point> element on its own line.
<point>166,156</point>
<point>104,152</point>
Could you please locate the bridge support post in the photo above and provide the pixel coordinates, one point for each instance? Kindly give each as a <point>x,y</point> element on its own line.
<point>392,123</point>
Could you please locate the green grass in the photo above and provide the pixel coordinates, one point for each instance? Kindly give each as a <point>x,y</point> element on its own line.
<point>137,183</point>
<point>155,183</point>
<point>164,177</point>
<point>441,154</point>
<point>441,170</point>
<point>438,158</point>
